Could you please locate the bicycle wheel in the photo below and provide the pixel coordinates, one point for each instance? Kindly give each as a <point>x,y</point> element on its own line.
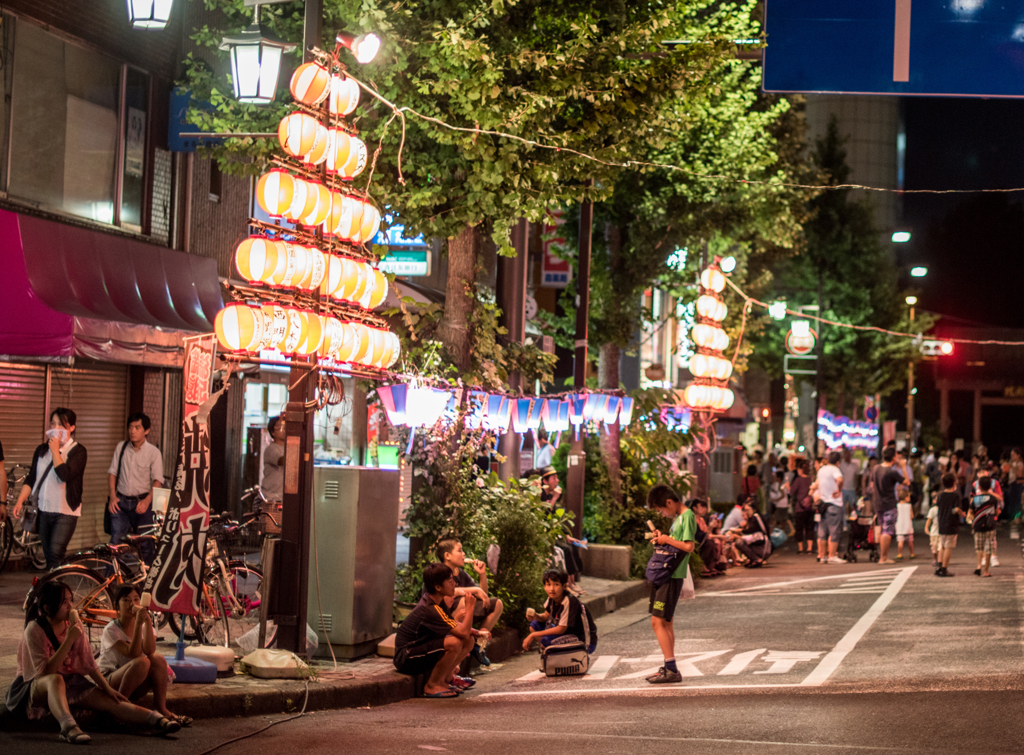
<point>198,627</point>
<point>89,595</point>
<point>6,541</point>
<point>246,583</point>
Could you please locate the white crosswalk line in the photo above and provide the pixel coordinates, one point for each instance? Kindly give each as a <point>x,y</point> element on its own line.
<point>740,661</point>
<point>783,660</point>
<point>600,667</point>
<point>532,676</point>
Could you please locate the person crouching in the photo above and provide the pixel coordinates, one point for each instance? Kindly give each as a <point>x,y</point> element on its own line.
<point>562,619</point>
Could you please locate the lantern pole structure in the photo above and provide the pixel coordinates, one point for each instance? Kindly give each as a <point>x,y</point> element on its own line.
<point>576,473</point>
<point>292,558</point>
<point>911,300</point>
<point>512,301</point>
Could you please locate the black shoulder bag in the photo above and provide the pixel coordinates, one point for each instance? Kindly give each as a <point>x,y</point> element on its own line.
<point>30,511</point>
<point>108,525</point>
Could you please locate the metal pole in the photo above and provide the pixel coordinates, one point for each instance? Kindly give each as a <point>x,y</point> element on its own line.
<point>820,362</point>
<point>512,301</point>
<point>910,397</point>
<point>577,457</point>
<point>698,462</point>
<point>291,579</point>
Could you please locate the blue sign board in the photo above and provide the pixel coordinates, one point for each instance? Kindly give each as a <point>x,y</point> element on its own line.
<point>958,48</point>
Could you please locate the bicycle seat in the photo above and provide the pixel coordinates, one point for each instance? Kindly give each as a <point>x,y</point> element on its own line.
<point>111,548</point>
<point>137,540</point>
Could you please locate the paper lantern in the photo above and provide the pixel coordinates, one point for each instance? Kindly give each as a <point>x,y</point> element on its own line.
<point>314,333</point>
<point>297,264</point>
<point>332,275</point>
<point>274,192</point>
<point>344,95</point>
<point>318,154</point>
<point>349,156</point>
<point>256,258</point>
<point>304,198</point>
<point>707,366</point>
<point>371,223</point>
<point>380,289</point>
<point>696,395</point>
<point>363,343</point>
<point>340,204</point>
<point>379,340</point>
<point>316,266</point>
<point>275,326</point>
<point>713,279</point>
<point>396,350</point>
<point>310,84</point>
<point>363,278</point>
<point>332,336</point>
<point>318,205</point>
<point>296,331</point>
<point>239,327</point>
<point>710,337</point>
<point>712,308</point>
<point>299,134</point>
<point>347,279</point>
<point>347,344</point>
<point>626,411</point>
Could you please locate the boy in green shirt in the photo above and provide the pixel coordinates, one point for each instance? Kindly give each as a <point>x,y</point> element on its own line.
<point>664,597</point>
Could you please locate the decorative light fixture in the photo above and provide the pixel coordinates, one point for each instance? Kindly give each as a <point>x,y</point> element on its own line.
<point>310,84</point>
<point>777,310</point>
<point>344,95</point>
<point>709,392</point>
<point>918,271</point>
<point>149,14</point>
<point>364,47</point>
<point>900,237</point>
<point>255,62</point>
<point>239,327</point>
<point>728,264</point>
<point>911,300</point>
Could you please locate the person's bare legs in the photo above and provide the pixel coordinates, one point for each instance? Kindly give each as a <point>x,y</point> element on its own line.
<point>899,547</point>
<point>947,554</point>
<point>97,699</point>
<point>986,565</point>
<point>130,676</point>
<point>159,680</point>
<point>910,544</point>
<point>821,550</point>
<point>492,618</point>
<point>50,689</point>
<point>666,635</point>
<point>445,668</point>
<point>883,557</point>
<point>833,548</point>
<point>981,558</point>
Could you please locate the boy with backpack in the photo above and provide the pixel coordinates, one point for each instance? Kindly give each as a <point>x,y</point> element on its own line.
<point>666,571</point>
<point>984,508</point>
<point>564,619</point>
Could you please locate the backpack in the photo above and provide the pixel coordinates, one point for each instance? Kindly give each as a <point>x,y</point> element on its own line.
<point>567,655</point>
<point>985,516</point>
<point>663,563</point>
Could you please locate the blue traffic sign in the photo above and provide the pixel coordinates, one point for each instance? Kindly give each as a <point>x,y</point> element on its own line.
<point>957,48</point>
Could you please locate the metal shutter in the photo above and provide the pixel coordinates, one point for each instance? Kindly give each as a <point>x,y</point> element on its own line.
<point>98,394</point>
<point>22,411</point>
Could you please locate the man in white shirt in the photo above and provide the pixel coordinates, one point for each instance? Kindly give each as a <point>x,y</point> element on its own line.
<point>135,469</point>
<point>830,528</point>
<point>544,451</point>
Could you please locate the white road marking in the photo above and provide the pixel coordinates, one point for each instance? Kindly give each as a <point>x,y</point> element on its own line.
<point>740,661</point>
<point>790,583</point>
<point>783,660</point>
<point>600,667</point>
<point>685,665</point>
<point>831,662</point>
<point>532,676</point>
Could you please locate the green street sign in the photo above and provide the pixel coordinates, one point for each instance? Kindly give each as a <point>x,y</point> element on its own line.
<point>406,263</point>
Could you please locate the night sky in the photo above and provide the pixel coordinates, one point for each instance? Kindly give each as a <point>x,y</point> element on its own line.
<point>971,243</point>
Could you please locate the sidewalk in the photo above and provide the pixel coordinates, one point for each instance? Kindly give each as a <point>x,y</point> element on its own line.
<point>370,681</point>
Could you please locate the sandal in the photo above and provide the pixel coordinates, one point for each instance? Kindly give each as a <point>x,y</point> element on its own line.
<point>74,735</point>
<point>443,694</point>
<point>167,726</point>
<point>183,720</point>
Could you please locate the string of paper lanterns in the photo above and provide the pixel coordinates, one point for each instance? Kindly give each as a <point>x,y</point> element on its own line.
<point>710,391</point>
<point>251,328</point>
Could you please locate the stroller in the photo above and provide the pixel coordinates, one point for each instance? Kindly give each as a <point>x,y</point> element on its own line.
<point>861,533</point>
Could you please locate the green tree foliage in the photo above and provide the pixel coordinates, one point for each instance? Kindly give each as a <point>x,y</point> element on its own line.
<point>860,285</point>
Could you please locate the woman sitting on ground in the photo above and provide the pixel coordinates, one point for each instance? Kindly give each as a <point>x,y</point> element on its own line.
<point>54,659</point>
<point>128,657</point>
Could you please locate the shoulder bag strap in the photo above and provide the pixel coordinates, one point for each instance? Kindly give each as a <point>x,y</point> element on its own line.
<point>120,459</point>
<point>39,484</point>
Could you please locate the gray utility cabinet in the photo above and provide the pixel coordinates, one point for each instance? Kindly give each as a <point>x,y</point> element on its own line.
<point>354,529</point>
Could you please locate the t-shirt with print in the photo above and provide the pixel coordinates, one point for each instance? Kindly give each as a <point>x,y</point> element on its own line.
<point>427,621</point>
<point>949,521</point>
<point>567,613</point>
<point>684,528</point>
<point>886,480</point>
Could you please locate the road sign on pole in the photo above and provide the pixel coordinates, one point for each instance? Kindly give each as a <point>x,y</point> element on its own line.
<point>967,48</point>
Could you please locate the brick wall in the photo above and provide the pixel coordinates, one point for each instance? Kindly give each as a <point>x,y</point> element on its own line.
<point>217,226</point>
<point>104,23</point>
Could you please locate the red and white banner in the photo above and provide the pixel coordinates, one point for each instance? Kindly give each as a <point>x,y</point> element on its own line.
<point>555,272</point>
<point>175,580</point>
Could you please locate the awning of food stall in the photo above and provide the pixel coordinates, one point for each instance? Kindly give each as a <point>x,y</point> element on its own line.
<point>72,291</point>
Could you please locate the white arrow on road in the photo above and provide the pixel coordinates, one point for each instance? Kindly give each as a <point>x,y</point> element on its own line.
<point>685,665</point>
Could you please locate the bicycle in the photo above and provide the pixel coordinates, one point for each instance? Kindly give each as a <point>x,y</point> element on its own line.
<point>13,539</point>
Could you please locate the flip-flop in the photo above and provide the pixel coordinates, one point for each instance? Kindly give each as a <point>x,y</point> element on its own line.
<point>986,575</point>
<point>445,694</point>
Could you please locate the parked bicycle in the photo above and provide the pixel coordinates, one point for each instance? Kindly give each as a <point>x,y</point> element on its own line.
<point>13,540</point>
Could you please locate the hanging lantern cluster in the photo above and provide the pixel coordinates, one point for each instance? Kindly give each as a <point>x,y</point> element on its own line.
<point>311,204</point>
<point>250,328</point>
<point>710,390</point>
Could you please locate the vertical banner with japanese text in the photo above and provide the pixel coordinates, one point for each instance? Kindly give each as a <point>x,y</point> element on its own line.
<point>176,577</point>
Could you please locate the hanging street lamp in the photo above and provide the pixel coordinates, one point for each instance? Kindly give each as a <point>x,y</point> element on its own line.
<point>149,14</point>
<point>255,62</point>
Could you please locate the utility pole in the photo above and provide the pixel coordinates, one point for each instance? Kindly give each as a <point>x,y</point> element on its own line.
<point>291,563</point>
<point>577,458</point>
<point>698,461</point>
<point>910,394</point>
<point>819,364</point>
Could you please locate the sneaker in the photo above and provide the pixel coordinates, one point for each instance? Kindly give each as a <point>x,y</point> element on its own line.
<point>836,560</point>
<point>664,676</point>
<point>655,675</point>
<point>977,572</point>
<point>480,656</point>
<point>463,682</point>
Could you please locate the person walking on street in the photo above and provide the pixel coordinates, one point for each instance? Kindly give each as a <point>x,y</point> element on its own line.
<point>1015,480</point>
<point>135,469</point>
<point>272,483</point>
<point>984,510</point>
<point>803,508</point>
<point>948,516</point>
<point>56,475</point>
<point>849,468</point>
<point>890,473</point>
<point>830,528</point>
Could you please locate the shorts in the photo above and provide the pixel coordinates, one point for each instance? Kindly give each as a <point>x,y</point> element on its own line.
<point>420,659</point>
<point>985,542</point>
<point>936,542</point>
<point>946,541</point>
<point>665,598</point>
<point>831,525</point>
<point>887,521</point>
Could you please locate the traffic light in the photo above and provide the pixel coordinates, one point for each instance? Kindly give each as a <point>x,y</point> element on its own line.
<point>936,348</point>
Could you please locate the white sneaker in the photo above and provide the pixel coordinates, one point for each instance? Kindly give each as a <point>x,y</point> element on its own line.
<point>836,560</point>
<point>995,560</point>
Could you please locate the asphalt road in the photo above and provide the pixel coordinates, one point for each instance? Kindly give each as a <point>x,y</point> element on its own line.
<point>798,657</point>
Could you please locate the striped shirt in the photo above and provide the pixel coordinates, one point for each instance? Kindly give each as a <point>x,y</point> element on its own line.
<point>427,621</point>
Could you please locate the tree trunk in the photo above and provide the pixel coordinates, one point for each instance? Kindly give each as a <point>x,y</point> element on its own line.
<point>459,288</point>
<point>608,369</point>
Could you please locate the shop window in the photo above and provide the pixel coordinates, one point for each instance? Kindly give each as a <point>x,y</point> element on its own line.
<point>133,175</point>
